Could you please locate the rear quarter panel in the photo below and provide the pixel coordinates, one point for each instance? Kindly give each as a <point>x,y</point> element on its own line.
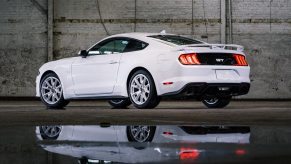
<point>147,59</point>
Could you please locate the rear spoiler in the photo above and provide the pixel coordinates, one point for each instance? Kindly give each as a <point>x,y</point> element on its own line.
<point>217,46</point>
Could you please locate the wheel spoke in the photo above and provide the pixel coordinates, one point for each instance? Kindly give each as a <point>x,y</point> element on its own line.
<point>147,89</point>
<point>137,82</point>
<point>52,82</point>
<point>138,95</point>
<point>141,80</point>
<point>50,95</point>
<point>45,87</point>
<point>48,84</point>
<point>134,86</point>
<point>58,91</point>
<point>136,134</point>
<point>47,130</point>
<point>144,98</point>
<point>54,98</point>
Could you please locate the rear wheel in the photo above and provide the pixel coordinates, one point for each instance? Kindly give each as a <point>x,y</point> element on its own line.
<point>51,92</point>
<point>142,91</point>
<point>216,102</point>
<point>119,103</point>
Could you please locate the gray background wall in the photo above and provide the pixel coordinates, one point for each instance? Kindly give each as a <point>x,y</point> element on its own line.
<point>35,31</point>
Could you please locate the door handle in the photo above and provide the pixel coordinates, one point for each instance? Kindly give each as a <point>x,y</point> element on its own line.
<point>113,62</point>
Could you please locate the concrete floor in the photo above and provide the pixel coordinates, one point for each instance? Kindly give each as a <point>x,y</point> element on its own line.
<point>33,113</point>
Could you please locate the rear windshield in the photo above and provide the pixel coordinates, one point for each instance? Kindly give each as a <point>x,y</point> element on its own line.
<point>175,39</point>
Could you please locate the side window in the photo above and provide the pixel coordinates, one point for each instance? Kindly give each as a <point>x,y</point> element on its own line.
<point>135,45</point>
<point>109,47</point>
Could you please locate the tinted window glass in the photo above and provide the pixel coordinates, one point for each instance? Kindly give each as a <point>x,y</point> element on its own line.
<point>179,40</point>
<point>109,47</point>
<point>135,45</point>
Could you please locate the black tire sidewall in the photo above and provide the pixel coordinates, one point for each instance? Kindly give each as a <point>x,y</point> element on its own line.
<point>125,103</point>
<point>221,103</point>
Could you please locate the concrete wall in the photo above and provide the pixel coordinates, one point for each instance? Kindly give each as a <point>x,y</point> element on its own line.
<point>262,26</point>
<point>23,46</point>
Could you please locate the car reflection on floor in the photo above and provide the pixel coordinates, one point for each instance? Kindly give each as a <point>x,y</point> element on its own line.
<point>142,144</point>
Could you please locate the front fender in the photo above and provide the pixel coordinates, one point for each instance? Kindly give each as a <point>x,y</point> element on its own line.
<point>62,68</point>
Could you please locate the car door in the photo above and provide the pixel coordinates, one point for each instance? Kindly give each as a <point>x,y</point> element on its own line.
<point>98,142</point>
<point>97,73</point>
<point>94,133</point>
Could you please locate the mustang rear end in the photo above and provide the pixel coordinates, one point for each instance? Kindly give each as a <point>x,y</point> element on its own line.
<point>209,72</point>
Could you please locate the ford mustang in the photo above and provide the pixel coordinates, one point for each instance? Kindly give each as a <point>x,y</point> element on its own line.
<point>140,68</point>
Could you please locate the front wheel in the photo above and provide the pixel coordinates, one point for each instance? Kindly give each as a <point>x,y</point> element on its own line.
<point>142,91</point>
<point>216,102</point>
<point>51,92</point>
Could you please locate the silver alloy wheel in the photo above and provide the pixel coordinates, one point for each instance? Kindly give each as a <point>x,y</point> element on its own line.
<point>211,101</point>
<point>51,131</point>
<point>140,133</point>
<point>140,89</point>
<point>51,90</point>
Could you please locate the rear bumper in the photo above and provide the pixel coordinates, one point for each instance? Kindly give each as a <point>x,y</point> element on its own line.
<point>219,89</point>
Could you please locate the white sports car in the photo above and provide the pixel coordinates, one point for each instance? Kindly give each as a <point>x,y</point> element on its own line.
<point>140,68</point>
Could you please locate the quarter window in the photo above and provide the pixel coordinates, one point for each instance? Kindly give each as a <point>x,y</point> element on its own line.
<point>135,45</point>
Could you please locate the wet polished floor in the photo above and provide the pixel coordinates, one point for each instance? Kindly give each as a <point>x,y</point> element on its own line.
<point>145,144</point>
<point>32,113</point>
<point>174,132</point>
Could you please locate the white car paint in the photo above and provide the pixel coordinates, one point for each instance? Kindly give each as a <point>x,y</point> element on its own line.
<point>107,75</point>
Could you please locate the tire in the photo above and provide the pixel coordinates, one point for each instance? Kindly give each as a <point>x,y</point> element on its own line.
<point>216,102</point>
<point>143,96</point>
<point>120,103</point>
<point>144,133</point>
<point>83,160</point>
<point>50,132</point>
<point>51,92</point>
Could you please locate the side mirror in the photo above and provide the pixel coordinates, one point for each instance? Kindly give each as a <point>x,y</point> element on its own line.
<point>83,53</point>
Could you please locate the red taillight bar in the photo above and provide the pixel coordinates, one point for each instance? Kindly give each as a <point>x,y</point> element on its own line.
<point>192,59</point>
<point>240,60</point>
<point>189,59</point>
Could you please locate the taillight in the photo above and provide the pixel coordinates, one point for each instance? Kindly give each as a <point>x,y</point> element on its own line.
<point>188,153</point>
<point>240,60</point>
<point>189,59</point>
<point>240,152</point>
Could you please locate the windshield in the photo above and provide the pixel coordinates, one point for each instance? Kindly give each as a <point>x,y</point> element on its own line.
<point>175,39</point>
